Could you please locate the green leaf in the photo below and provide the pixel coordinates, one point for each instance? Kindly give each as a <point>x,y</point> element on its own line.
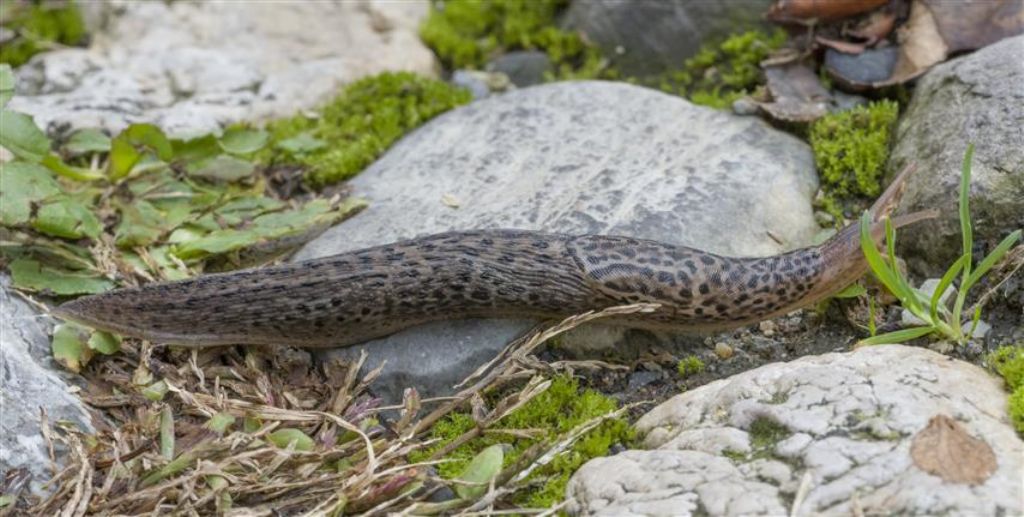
<point>269,227</point>
<point>851,291</point>
<point>141,224</point>
<point>21,185</point>
<point>992,259</point>
<point>151,137</point>
<point>898,336</point>
<point>222,168</point>
<point>88,141</point>
<point>220,422</point>
<point>7,83</point>
<point>167,433</point>
<point>104,342</point>
<point>123,158</point>
<point>20,135</point>
<point>965,211</point>
<point>874,257</point>
<point>55,164</point>
<point>65,217</point>
<point>484,467</point>
<point>944,283</point>
<point>284,437</point>
<point>301,144</point>
<point>155,391</point>
<point>196,149</point>
<point>6,499</point>
<point>242,141</point>
<point>69,348</point>
<point>30,275</point>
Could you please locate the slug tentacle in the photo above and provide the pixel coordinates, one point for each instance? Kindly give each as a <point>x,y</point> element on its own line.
<point>361,295</point>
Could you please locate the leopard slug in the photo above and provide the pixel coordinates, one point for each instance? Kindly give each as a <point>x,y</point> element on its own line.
<point>361,295</point>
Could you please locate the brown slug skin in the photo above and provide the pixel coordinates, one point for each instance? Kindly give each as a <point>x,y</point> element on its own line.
<point>357,296</point>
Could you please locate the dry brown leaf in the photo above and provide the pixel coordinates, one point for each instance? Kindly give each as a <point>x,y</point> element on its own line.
<point>875,27</point>
<point>945,449</point>
<point>846,47</point>
<point>796,92</point>
<point>922,45</point>
<point>788,10</point>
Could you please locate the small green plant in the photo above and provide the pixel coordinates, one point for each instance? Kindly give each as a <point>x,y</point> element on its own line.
<point>688,366</point>
<point>467,33</point>
<point>937,318</point>
<point>37,26</point>
<point>1008,362</point>
<point>851,146</point>
<point>721,73</point>
<point>552,414</point>
<point>355,128</point>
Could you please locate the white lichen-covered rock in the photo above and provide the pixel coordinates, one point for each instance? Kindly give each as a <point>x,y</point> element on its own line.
<point>578,158</point>
<point>836,429</point>
<point>30,383</point>
<point>192,67</point>
<point>979,99</point>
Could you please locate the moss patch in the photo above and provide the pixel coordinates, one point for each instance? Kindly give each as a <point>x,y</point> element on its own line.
<point>562,407</point>
<point>688,366</point>
<point>38,26</point>
<point>355,128</point>
<point>468,33</point>
<point>1008,361</point>
<point>851,147</point>
<point>721,73</point>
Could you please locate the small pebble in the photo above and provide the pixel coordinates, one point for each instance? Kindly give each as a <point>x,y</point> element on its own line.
<point>723,351</point>
<point>767,328</point>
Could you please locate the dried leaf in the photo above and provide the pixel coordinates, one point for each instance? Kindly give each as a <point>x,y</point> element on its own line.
<point>789,10</point>
<point>945,449</point>
<point>922,46</point>
<point>797,94</point>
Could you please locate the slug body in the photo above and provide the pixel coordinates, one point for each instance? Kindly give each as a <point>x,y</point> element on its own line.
<point>354,297</point>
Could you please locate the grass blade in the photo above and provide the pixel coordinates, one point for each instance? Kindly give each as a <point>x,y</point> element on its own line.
<point>874,257</point>
<point>898,336</point>
<point>992,259</point>
<point>944,284</point>
<point>965,211</point>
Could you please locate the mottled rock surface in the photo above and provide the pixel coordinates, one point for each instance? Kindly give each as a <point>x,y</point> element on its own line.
<point>841,425</point>
<point>30,382</point>
<point>976,98</point>
<point>651,36</point>
<point>580,157</point>
<point>192,67</point>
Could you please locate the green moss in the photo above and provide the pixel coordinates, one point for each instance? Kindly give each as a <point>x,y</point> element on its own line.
<point>721,73</point>
<point>38,26</point>
<point>688,366</point>
<point>851,147</point>
<point>1016,405</point>
<point>765,433</point>
<point>467,33</point>
<point>361,123</point>
<point>1008,361</point>
<point>558,410</point>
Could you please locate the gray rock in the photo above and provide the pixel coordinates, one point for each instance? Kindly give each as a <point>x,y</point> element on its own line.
<point>194,67</point>
<point>523,68</point>
<point>30,382</point>
<point>976,98</point>
<point>580,157</point>
<point>844,427</point>
<point>651,36</point>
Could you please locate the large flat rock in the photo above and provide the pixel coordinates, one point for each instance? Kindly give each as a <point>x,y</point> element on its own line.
<point>580,158</point>
<point>837,428</point>
<point>193,67</point>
